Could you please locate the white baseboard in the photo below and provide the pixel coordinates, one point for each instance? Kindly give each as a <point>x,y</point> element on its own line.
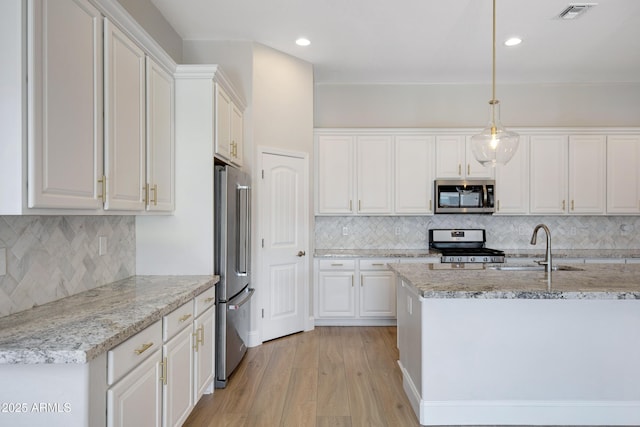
<point>253,340</point>
<point>520,412</point>
<point>355,322</point>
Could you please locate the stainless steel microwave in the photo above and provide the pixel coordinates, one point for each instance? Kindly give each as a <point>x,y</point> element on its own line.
<point>465,196</point>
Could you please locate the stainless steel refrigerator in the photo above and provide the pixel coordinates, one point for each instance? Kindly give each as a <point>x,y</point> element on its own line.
<point>232,218</point>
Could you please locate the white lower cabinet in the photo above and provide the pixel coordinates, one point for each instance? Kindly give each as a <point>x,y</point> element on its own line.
<point>134,396</point>
<point>204,327</point>
<point>136,399</point>
<point>336,289</point>
<point>177,366</point>
<point>355,292</point>
<point>377,289</point>
<point>156,377</point>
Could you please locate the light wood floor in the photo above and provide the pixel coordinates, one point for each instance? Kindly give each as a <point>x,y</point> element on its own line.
<point>331,376</point>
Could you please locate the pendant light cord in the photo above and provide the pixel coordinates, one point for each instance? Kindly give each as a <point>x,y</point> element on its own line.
<point>493,82</point>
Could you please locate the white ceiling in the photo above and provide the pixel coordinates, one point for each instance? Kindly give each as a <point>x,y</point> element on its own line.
<point>428,41</point>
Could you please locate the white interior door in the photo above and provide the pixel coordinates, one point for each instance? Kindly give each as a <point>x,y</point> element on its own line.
<point>284,228</point>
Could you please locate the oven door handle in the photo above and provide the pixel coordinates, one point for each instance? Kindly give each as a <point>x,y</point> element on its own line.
<point>247,297</point>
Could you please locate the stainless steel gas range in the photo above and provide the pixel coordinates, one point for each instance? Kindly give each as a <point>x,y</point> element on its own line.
<point>463,246</point>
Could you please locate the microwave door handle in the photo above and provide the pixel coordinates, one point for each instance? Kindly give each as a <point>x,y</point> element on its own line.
<point>244,216</point>
<point>484,196</point>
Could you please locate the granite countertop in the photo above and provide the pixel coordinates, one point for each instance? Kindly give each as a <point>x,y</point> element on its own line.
<point>509,253</point>
<point>592,281</point>
<point>78,328</point>
<point>375,253</point>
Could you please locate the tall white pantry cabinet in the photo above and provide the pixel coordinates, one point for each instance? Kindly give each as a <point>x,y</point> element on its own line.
<point>83,121</point>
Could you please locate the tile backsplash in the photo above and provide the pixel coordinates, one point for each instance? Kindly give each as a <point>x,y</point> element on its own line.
<point>503,232</point>
<point>51,257</point>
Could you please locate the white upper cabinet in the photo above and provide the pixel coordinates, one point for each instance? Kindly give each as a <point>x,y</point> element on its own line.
<point>512,182</point>
<point>450,157</point>
<point>229,136</point>
<point>374,156</point>
<point>587,160</point>
<point>549,172</point>
<point>237,135</point>
<point>414,174</point>
<point>354,174</point>
<point>64,90</point>
<point>74,108</point>
<point>623,174</point>
<point>160,163</point>
<point>222,126</point>
<point>335,174</point>
<point>455,160</point>
<point>124,125</point>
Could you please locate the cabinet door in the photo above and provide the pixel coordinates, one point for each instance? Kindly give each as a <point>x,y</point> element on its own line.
<point>450,153</point>
<point>336,294</point>
<point>124,121</point>
<point>512,182</point>
<point>623,174</point>
<point>160,138</point>
<point>136,400</point>
<point>587,159</point>
<point>414,174</point>
<point>237,135</point>
<point>473,168</point>
<point>64,104</point>
<point>222,125</point>
<point>335,174</point>
<point>377,294</point>
<point>375,169</point>
<point>177,393</point>
<point>549,177</point>
<point>204,352</point>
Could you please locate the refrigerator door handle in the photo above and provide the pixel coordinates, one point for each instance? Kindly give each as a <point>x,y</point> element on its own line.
<point>249,294</point>
<point>244,229</point>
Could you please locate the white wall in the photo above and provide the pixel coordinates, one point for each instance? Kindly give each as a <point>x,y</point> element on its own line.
<point>278,89</point>
<point>150,18</point>
<point>466,105</point>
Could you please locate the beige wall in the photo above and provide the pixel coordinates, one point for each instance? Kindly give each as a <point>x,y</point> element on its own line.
<point>465,105</point>
<point>282,100</point>
<point>150,18</point>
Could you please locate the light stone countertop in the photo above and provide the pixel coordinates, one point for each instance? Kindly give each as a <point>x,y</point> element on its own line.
<point>594,281</point>
<point>78,328</point>
<point>509,253</point>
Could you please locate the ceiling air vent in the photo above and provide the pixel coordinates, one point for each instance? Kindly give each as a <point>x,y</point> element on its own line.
<point>575,10</point>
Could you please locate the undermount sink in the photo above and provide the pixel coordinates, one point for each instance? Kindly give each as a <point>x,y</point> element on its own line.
<point>534,268</point>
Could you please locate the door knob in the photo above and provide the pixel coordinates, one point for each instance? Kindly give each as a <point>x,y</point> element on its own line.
<point>301,253</point>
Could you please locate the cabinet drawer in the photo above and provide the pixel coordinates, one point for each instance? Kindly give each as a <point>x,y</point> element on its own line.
<point>337,264</point>
<point>127,355</point>
<point>175,321</point>
<point>376,264</point>
<point>204,301</point>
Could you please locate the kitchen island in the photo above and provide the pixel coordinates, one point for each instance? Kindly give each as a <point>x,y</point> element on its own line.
<point>481,346</point>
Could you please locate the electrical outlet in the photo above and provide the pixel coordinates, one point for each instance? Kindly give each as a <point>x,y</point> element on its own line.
<point>397,231</point>
<point>102,245</point>
<point>573,231</point>
<point>522,230</point>
<point>345,231</point>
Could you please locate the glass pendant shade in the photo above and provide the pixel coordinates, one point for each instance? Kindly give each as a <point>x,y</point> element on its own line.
<point>494,144</point>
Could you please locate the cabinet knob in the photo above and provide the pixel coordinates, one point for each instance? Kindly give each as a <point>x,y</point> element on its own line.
<point>301,253</point>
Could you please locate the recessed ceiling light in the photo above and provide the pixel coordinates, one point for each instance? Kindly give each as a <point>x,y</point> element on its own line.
<point>303,42</point>
<point>513,41</point>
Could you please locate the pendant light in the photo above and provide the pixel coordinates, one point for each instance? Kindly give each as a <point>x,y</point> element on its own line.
<point>494,144</point>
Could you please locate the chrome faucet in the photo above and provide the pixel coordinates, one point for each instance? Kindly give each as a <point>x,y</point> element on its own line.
<point>547,258</point>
